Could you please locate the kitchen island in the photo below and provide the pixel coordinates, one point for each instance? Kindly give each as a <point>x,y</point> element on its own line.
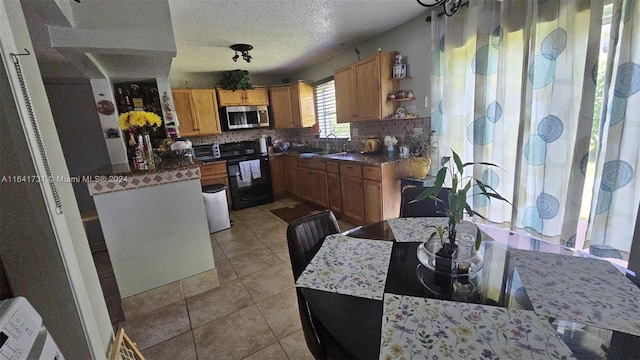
<point>154,223</point>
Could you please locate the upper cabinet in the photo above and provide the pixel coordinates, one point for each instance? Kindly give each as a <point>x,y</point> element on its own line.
<point>197,111</point>
<point>243,97</point>
<point>362,88</point>
<point>293,106</point>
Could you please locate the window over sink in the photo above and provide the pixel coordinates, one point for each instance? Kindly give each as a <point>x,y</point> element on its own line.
<point>326,111</point>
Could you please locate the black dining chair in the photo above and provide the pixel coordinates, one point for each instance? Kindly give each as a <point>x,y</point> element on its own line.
<point>426,207</point>
<point>304,237</point>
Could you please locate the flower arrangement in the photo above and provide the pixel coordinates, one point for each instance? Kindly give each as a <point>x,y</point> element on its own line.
<point>139,122</point>
<point>419,142</point>
<point>390,140</point>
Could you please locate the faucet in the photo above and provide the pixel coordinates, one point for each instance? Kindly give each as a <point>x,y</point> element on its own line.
<point>328,145</point>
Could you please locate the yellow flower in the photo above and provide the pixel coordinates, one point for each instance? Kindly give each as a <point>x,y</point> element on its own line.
<point>139,119</point>
<point>396,350</point>
<point>465,331</point>
<point>123,121</point>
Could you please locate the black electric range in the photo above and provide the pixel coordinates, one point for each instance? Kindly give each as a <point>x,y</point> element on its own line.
<point>249,171</point>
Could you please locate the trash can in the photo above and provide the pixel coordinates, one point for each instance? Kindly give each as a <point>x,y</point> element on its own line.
<point>215,205</point>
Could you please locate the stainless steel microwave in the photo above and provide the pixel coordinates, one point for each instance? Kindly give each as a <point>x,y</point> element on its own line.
<point>244,117</point>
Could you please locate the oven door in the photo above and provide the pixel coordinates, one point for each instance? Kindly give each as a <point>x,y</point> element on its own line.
<point>241,117</point>
<point>249,190</point>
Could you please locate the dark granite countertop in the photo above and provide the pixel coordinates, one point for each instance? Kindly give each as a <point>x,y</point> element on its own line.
<point>363,159</point>
<point>167,164</point>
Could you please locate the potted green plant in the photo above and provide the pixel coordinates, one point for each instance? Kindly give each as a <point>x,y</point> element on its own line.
<point>457,206</point>
<point>420,150</point>
<point>235,80</point>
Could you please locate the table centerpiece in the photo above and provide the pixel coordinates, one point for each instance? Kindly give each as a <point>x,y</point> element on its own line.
<point>454,255</point>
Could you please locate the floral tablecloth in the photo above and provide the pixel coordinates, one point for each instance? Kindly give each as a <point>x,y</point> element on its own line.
<point>418,229</point>
<point>584,290</point>
<point>419,328</point>
<point>349,266</point>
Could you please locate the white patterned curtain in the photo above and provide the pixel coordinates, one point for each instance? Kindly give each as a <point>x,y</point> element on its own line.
<point>513,84</point>
<point>617,190</point>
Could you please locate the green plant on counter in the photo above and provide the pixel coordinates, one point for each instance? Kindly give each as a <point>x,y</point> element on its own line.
<point>458,194</point>
<point>419,143</point>
<point>235,80</point>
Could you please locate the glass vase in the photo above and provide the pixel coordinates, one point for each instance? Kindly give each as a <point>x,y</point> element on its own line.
<point>460,260</point>
<point>147,153</point>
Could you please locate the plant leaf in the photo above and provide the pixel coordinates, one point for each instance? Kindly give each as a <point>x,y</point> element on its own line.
<point>458,162</point>
<point>445,160</point>
<point>481,163</point>
<point>478,239</point>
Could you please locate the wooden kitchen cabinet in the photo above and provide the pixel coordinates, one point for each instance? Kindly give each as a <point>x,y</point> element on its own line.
<point>352,197</point>
<point>320,186</point>
<point>243,97</point>
<point>360,192</point>
<point>372,201</point>
<point>197,111</point>
<point>362,89</point>
<point>343,84</point>
<point>279,175</point>
<point>335,198</point>
<point>306,190</point>
<point>293,176</point>
<point>215,173</point>
<point>313,181</point>
<point>293,106</point>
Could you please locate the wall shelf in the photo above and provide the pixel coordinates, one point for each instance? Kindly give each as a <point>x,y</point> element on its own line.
<point>401,78</point>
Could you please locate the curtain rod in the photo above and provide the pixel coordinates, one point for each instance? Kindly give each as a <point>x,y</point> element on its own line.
<point>428,19</point>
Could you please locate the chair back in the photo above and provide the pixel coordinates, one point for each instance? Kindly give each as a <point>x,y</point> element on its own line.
<point>304,237</point>
<point>426,207</point>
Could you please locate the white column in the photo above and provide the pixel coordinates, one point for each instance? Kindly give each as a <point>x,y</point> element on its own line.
<point>103,90</point>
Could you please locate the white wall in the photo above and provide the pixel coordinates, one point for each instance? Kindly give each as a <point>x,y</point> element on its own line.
<point>103,90</point>
<point>51,264</point>
<point>210,79</point>
<point>411,39</point>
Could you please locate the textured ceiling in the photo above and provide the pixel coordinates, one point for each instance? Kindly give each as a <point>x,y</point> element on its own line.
<point>135,38</point>
<point>287,35</point>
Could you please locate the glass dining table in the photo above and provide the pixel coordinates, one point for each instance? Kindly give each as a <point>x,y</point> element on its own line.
<point>593,311</point>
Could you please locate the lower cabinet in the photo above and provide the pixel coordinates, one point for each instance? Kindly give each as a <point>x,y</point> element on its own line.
<point>293,179</point>
<point>372,201</point>
<point>279,175</point>
<point>321,192</point>
<point>360,193</point>
<point>335,197</point>
<point>306,178</point>
<point>352,197</point>
<point>215,173</point>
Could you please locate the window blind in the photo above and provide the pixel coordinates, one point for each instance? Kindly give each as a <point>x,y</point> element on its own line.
<point>326,112</point>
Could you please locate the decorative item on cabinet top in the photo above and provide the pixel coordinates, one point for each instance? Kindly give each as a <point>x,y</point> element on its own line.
<point>235,80</point>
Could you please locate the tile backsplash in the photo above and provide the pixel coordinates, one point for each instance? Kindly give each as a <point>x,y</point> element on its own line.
<point>364,130</point>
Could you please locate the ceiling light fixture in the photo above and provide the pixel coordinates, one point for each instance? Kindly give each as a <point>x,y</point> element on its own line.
<point>450,6</point>
<point>244,51</point>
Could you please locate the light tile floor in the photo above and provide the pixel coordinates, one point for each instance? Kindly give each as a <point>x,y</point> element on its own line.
<point>250,311</point>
